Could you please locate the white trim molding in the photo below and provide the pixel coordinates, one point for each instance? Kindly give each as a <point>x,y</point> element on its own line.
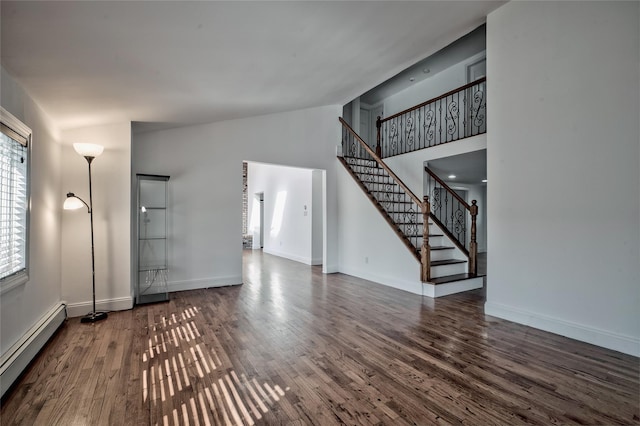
<point>17,357</point>
<point>204,283</point>
<point>414,287</point>
<point>117,304</point>
<point>440,290</point>
<point>302,259</point>
<point>606,339</point>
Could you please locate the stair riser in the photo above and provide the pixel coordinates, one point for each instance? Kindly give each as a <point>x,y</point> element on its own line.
<point>437,241</point>
<point>377,182</point>
<point>368,170</point>
<point>402,212</point>
<point>381,186</point>
<point>363,168</point>
<point>434,241</point>
<point>384,198</point>
<point>441,254</point>
<point>361,162</point>
<point>442,270</point>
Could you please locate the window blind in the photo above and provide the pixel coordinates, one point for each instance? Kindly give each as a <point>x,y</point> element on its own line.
<point>13,202</point>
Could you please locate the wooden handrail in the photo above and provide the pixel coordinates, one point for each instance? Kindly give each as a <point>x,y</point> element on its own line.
<point>382,163</point>
<point>448,188</point>
<point>466,86</point>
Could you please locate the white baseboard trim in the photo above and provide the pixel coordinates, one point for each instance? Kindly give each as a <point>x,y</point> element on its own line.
<point>302,259</point>
<point>204,283</point>
<point>117,304</point>
<point>617,342</point>
<point>17,357</point>
<point>414,287</point>
<point>441,290</point>
<point>316,261</point>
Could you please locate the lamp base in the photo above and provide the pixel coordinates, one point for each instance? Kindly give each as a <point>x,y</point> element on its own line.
<point>94,317</point>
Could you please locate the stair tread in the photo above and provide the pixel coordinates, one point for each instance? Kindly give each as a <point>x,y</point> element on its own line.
<point>447,262</point>
<point>396,202</point>
<point>386,192</point>
<point>442,248</point>
<point>452,278</point>
<point>373,174</point>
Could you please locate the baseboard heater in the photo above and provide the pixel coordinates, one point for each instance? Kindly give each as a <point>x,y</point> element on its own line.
<point>18,357</point>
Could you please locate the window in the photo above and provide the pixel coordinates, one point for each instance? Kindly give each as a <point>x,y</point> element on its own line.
<point>15,139</point>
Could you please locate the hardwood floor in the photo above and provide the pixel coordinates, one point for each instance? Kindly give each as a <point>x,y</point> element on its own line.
<point>294,346</point>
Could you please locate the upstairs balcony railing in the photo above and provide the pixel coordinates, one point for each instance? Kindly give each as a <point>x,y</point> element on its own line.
<point>458,114</point>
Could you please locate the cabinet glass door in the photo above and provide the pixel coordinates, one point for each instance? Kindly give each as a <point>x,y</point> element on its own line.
<point>152,239</point>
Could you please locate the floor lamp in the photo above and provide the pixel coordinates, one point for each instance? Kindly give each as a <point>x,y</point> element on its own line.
<point>89,152</point>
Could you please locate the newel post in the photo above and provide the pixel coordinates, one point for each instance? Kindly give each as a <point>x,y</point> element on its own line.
<point>473,245</point>
<point>425,251</point>
<point>378,146</point>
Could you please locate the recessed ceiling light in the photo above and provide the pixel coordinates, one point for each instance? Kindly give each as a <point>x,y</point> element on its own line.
<point>426,70</point>
<point>484,181</point>
<point>412,79</point>
<point>452,176</point>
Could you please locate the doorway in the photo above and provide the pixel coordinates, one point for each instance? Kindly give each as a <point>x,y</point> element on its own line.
<point>258,223</point>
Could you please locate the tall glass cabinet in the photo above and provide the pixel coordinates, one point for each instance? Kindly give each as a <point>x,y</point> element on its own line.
<point>152,244</point>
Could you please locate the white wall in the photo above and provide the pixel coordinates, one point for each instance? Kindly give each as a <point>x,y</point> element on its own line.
<point>410,168</point>
<point>369,248</point>
<point>436,85</point>
<point>564,169</point>
<point>317,212</point>
<point>205,165</point>
<point>288,210</point>
<point>25,305</point>
<point>112,220</point>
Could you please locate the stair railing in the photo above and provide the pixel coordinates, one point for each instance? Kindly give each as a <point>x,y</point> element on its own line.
<point>353,146</point>
<point>454,216</point>
<point>455,115</point>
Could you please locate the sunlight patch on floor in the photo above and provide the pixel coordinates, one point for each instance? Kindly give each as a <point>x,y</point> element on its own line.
<point>185,382</point>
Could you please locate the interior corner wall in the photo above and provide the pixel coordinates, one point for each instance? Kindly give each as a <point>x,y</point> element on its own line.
<point>111,187</point>
<point>435,85</point>
<point>25,305</point>
<point>288,206</point>
<point>563,156</point>
<point>205,165</point>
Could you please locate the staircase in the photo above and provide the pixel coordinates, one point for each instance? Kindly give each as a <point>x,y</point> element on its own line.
<point>447,266</point>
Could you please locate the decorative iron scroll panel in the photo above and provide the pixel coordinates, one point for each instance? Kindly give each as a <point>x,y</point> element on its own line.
<point>399,207</point>
<point>459,114</point>
<point>449,210</point>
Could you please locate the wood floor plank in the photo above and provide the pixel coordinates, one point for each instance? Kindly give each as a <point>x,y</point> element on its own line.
<point>295,346</point>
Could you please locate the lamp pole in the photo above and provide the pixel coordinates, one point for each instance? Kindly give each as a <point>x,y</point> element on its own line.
<point>89,152</point>
<point>93,255</point>
<point>93,316</point>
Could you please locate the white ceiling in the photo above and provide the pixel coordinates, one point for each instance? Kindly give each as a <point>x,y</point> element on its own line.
<point>91,62</point>
<point>470,167</point>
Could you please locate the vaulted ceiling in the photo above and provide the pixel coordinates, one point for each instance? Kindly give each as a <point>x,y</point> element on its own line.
<point>181,63</point>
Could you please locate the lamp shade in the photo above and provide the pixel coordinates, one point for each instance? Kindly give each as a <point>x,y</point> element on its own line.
<point>88,149</point>
<point>72,203</point>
